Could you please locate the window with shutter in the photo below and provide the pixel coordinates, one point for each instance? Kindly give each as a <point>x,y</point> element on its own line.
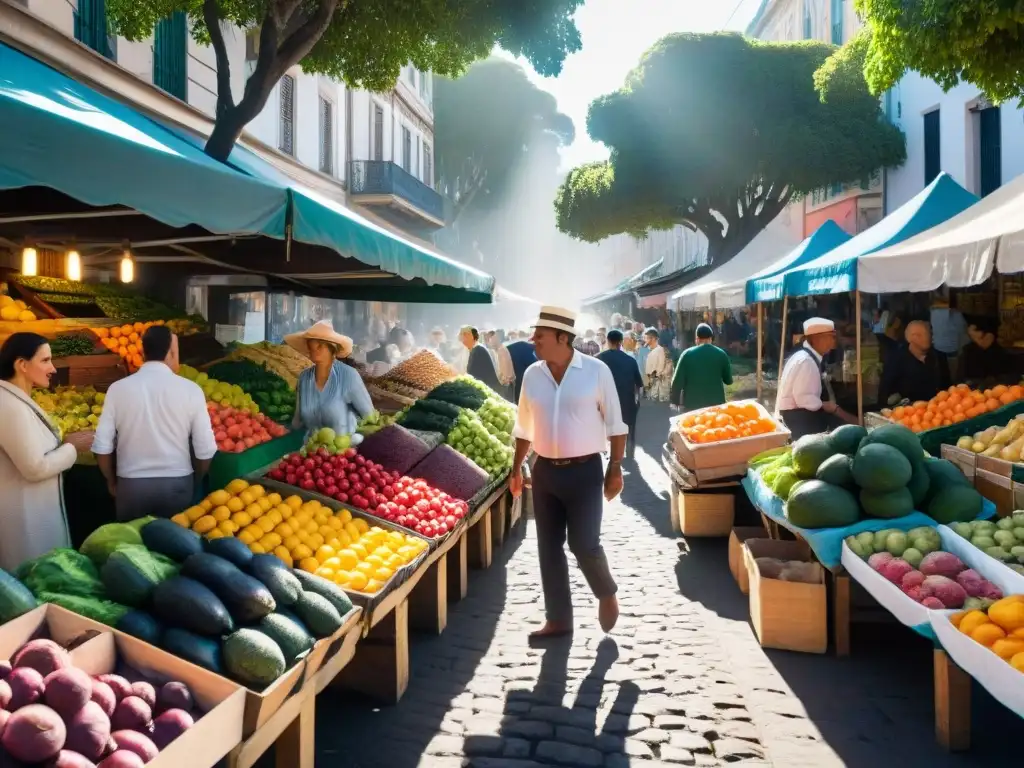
<point>808,25</point>
<point>428,166</point>
<point>378,132</point>
<point>837,22</point>
<point>91,27</point>
<point>326,136</point>
<point>932,147</point>
<point>406,148</point>
<point>170,55</point>
<point>990,150</point>
<point>416,169</point>
<point>287,143</point>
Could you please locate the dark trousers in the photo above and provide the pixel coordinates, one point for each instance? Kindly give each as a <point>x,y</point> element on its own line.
<point>629,418</point>
<point>568,502</point>
<point>157,496</point>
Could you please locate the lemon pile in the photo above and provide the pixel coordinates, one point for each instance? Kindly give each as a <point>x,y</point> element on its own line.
<point>220,392</point>
<point>72,409</point>
<point>306,535</point>
<point>15,309</point>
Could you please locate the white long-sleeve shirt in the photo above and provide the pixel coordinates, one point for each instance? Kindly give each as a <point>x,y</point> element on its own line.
<point>151,418</point>
<point>800,384</point>
<point>572,419</point>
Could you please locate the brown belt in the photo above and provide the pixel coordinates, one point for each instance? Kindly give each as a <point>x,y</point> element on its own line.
<point>567,462</point>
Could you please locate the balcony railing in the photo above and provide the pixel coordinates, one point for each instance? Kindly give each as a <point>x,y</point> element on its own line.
<point>383,177</point>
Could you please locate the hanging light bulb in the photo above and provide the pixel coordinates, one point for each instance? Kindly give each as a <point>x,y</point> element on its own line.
<point>29,262</point>
<point>127,267</point>
<point>73,267</point>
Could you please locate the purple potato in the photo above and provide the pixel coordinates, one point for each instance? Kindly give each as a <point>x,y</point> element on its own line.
<point>173,696</point>
<point>170,725</point>
<point>136,742</point>
<point>67,691</point>
<point>34,734</point>
<point>6,694</point>
<point>104,696</point>
<point>5,669</point>
<point>44,656</point>
<point>4,717</point>
<point>88,731</point>
<point>121,687</point>
<point>145,691</point>
<point>132,714</point>
<point>68,759</point>
<point>122,758</point>
<point>26,687</point>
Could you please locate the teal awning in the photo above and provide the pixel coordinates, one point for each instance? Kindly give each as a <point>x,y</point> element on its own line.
<point>318,220</point>
<point>836,271</point>
<point>651,270</point>
<point>60,134</point>
<point>767,284</point>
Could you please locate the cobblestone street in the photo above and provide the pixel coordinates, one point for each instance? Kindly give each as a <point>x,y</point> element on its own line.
<point>681,681</point>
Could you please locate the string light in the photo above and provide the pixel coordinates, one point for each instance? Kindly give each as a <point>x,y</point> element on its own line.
<point>127,267</point>
<point>73,267</point>
<point>29,262</point>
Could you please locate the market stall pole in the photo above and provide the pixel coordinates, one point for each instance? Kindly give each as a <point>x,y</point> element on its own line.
<point>952,703</point>
<point>782,334</point>
<point>760,349</point>
<point>860,372</point>
<point>292,729</point>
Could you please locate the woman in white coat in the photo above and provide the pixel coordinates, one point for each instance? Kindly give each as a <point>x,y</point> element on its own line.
<point>32,455</point>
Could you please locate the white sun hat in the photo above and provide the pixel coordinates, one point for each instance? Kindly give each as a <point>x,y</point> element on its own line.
<point>557,318</point>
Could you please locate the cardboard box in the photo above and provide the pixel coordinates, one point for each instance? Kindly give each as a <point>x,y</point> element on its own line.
<point>737,563</point>
<point>994,465</point>
<point>727,453</point>
<point>215,734</point>
<point>996,488</point>
<point>96,649</point>
<point>702,513</point>
<point>788,615</point>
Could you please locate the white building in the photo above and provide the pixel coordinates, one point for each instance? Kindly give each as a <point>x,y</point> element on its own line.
<point>981,146</point>
<point>378,147</point>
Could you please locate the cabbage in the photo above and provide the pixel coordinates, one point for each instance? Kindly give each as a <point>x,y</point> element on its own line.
<point>105,540</point>
<point>63,571</point>
<point>97,609</point>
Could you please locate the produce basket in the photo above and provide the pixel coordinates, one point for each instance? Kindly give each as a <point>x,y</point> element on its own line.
<point>384,399</point>
<point>692,479</point>
<point>911,613</point>
<point>728,452</point>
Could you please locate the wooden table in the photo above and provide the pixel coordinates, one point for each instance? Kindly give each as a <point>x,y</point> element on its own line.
<point>382,668</point>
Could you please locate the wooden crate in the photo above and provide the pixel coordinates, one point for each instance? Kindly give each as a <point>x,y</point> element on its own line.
<point>728,453</point>
<point>99,371</point>
<point>702,513</point>
<point>737,564</point>
<point>788,615</point>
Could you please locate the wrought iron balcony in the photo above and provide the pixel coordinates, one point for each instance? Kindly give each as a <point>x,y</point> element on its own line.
<point>382,182</point>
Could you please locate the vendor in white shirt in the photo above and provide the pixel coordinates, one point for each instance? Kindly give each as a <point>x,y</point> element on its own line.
<point>569,413</point>
<point>152,424</point>
<point>805,400</point>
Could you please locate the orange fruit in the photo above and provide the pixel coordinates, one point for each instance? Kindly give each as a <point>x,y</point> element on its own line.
<point>986,634</point>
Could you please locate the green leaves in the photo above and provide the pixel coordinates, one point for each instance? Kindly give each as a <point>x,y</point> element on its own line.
<point>956,41</point>
<point>719,132</point>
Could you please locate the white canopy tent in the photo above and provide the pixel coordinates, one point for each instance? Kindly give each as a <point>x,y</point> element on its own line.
<point>960,252</point>
<point>725,287</point>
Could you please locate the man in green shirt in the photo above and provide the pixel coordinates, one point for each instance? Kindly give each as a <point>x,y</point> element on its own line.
<point>701,373</point>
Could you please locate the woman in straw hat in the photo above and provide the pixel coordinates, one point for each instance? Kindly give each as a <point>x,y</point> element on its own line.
<point>329,393</point>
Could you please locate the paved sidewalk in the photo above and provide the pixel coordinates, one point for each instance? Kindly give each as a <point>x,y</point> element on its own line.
<point>682,681</point>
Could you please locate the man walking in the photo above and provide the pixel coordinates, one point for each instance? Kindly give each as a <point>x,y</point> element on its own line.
<point>479,364</point>
<point>152,419</point>
<point>569,412</point>
<point>523,357</point>
<point>702,373</point>
<point>628,383</point>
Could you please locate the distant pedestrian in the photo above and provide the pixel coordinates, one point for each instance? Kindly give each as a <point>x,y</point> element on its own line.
<point>702,373</point>
<point>658,368</point>
<point>523,356</point>
<point>628,383</point>
<point>588,344</point>
<point>569,413</point>
<point>479,364</point>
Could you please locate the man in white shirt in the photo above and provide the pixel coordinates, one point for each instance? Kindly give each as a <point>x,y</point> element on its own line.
<point>154,440</point>
<point>569,412</point>
<point>805,401</point>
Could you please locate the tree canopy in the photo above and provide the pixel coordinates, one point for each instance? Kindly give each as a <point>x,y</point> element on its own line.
<point>487,124</point>
<point>719,133</point>
<point>364,44</point>
<point>974,41</point>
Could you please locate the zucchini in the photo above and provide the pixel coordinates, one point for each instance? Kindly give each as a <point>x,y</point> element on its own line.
<point>171,539</point>
<point>328,589</point>
<point>317,613</point>
<point>231,549</point>
<point>291,636</point>
<point>247,600</point>
<point>141,625</point>
<point>15,598</point>
<point>253,658</point>
<point>276,577</point>
<point>201,651</point>
<point>185,603</point>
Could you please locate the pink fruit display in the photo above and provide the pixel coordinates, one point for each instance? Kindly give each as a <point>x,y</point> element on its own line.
<point>976,585</point>
<point>945,590</point>
<point>942,564</point>
<point>26,687</point>
<point>67,691</point>
<point>895,569</point>
<point>879,559</point>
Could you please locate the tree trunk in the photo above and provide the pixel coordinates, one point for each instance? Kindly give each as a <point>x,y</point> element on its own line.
<point>226,131</point>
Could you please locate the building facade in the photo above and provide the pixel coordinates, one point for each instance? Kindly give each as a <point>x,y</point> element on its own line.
<point>371,150</point>
<point>854,207</point>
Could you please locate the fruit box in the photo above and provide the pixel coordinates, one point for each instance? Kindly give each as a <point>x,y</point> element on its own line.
<point>702,513</point>
<point>326,651</point>
<point>737,563</point>
<point>991,672</point>
<point>222,702</point>
<point>996,488</point>
<point>52,622</point>
<point>788,615</point>
<point>727,453</point>
<point>909,612</point>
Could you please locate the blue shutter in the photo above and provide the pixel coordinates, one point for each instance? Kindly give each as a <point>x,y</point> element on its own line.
<point>91,27</point>
<point>837,22</point>
<point>990,150</point>
<point>932,146</point>
<point>170,55</point>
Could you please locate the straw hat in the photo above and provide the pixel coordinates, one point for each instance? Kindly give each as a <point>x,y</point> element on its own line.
<point>557,318</point>
<point>816,325</point>
<point>322,331</point>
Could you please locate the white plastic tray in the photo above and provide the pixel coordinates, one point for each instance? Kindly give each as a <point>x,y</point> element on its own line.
<point>911,613</point>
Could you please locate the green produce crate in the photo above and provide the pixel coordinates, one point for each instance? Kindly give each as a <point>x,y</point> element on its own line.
<point>932,439</point>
